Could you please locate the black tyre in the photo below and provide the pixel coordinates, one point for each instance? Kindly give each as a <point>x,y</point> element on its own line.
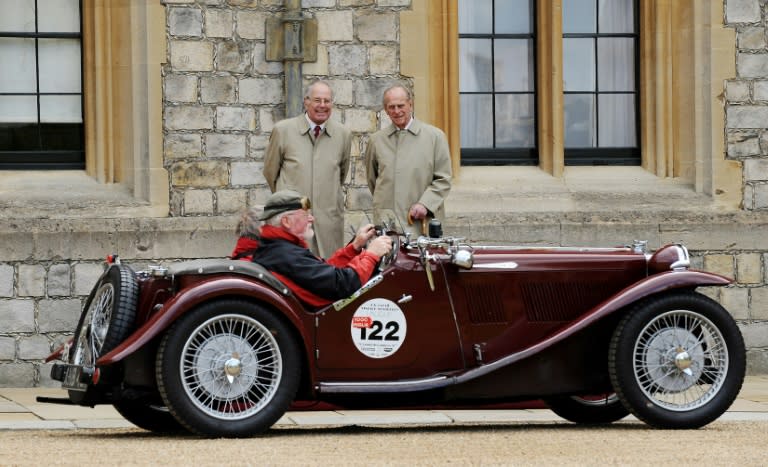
<point>107,319</point>
<point>155,418</point>
<point>677,360</point>
<point>588,410</point>
<point>228,368</point>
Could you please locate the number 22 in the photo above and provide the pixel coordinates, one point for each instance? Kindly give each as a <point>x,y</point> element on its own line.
<point>377,327</point>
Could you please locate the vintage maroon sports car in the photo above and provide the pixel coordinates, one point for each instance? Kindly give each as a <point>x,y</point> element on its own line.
<point>222,348</point>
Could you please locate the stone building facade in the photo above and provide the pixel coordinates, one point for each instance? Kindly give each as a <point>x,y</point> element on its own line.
<point>176,143</point>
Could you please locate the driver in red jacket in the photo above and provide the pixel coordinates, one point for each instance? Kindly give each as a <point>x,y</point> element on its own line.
<point>283,250</point>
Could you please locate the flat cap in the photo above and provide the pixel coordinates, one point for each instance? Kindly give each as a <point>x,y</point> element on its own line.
<point>283,201</point>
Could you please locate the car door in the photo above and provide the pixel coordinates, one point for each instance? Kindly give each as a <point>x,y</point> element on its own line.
<point>398,329</point>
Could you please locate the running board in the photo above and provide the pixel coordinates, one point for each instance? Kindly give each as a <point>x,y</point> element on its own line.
<point>54,400</point>
<point>410,385</point>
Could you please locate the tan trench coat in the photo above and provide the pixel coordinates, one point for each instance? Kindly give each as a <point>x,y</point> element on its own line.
<point>316,169</point>
<point>418,169</point>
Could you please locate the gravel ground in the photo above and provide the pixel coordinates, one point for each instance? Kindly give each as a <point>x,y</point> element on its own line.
<point>625,443</point>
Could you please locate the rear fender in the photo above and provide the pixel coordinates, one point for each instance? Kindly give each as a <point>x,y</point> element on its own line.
<point>216,287</point>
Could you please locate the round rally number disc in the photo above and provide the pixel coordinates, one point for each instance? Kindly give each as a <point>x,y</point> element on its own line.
<point>378,328</point>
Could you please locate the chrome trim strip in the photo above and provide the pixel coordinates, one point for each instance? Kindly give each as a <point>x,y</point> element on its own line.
<point>392,386</point>
<point>502,265</point>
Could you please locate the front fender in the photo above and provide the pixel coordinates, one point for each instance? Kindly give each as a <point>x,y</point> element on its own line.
<point>193,296</point>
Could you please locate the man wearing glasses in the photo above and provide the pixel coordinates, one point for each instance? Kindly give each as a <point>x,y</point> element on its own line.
<point>283,250</point>
<point>310,154</point>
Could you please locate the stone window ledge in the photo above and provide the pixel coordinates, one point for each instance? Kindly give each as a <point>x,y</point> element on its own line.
<point>68,194</point>
<point>580,189</point>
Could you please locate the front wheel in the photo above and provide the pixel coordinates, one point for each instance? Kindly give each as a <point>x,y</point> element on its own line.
<point>677,360</point>
<point>228,368</point>
<point>588,410</point>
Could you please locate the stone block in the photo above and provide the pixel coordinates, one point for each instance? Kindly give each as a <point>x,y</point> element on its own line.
<point>360,120</point>
<point>180,88</point>
<point>251,24</point>
<point>376,26</point>
<point>756,170</point>
<point>31,280</point>
<point>759,303</point>
<point>233,56</point>
<point>185,22</point>
<point>318,3</point>
<point>219,22</point>
<point>257,144</point>
<point>318,67</point>
<point>369,92</point>
<point>605,234</point>
<point>761,196</point>
<point>191,56</point>
<point>188,117</point>
<point>334,26</point>
<point>382,60</point>
<point>487,231</point>
<point>751,38</point>
<point>261,91</point>
<point>742,11</point>
<point>247,174</point>
<point>736,301</point>
<point>347,60</point>
<point>86,275</point>
<point>7,348</point>
<point>755,335</point>
<point>225,145</point>
<point>748,199</point>
<point>257,197</point>
<point>342,91</point>
<point>182,146</point>
<point>761,94</point>
<point>719,264</point>
<point>757,362</point>
<point>198,202</point>
<point>262,67</point>
<point>59,280</point>
<point>6,280</point>
<point>235,118</point>
<point>249,3</point>
<point>17,316</point>
<point>393,2</point>
<point>749,268</point>
<point>746,116</point>
<point>34,347</point>
<point>752,65</point>
<point>199,174</point>
<point>743,143</point>
<point>17,375</point>
<point>268,117</point>
<point>59,315</point>
<point>218,89</point>
<point>230,201</point>
<point>355,3</point>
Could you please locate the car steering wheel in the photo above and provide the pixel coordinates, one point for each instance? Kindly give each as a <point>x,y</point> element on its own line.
<point>389,259</point>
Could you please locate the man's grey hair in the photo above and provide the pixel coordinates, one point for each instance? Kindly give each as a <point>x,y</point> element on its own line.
<point>249,224</point>
<point>408,93</point>
<point>311,85</point>
<point>274,221</point>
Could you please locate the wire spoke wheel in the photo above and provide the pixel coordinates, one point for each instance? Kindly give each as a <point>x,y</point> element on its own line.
<point>228,368</point>
<point>677,360</point>
<point>231,366</point>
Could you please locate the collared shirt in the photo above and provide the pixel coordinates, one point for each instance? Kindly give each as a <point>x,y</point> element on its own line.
<point>312,124</point>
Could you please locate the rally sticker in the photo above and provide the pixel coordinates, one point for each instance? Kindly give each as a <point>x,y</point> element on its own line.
<point>378,328</point>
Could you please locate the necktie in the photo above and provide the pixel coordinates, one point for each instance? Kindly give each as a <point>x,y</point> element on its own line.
<point>317,131</point>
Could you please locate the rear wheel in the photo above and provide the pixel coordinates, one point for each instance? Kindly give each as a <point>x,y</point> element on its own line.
<point>677,360</point>
<point>228,368</point>
<point>588,410</point>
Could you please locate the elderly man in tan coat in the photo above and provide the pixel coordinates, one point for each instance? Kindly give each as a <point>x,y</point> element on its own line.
<point>310,154</point>
<point>408,164</point>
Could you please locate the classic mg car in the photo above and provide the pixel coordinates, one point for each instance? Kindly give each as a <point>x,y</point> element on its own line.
<point>223,348</point>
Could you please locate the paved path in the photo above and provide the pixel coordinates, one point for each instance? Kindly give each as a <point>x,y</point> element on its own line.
<point>19,410</point>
